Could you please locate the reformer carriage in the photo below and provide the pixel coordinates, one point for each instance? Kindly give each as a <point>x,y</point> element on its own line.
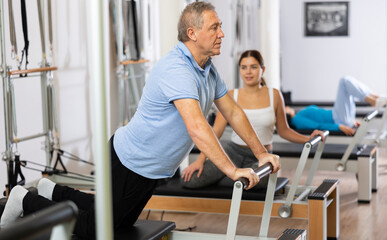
<point>319,205</point>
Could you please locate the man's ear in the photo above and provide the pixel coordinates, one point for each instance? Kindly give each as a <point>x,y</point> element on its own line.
<point>191,34</point>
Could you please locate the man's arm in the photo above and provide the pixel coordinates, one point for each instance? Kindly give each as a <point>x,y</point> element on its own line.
<point>197,166</point>
<point>207,142</point>
<point>242,126</point>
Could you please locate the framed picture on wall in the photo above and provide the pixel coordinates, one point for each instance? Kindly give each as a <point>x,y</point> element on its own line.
<point>326,18</point>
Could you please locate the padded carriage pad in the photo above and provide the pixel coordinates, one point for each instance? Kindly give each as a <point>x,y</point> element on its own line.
<point>331,133</point>
<point>322,103</point>
<point>335,151</point>
<point>174,187</point>
<point>360,112</point>
<point>146,230</point>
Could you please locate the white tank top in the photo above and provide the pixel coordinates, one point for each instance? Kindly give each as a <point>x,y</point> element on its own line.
<point>262,119</point>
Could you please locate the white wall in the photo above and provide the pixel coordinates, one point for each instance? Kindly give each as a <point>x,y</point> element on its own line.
<point>269,36</point>
<point>312,66</point>
<point>169,16</point>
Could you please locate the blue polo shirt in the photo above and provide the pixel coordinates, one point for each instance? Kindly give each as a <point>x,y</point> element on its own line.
<point>155,141</point>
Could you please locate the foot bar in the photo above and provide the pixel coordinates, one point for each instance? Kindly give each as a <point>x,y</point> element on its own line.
<point>361,131</point>
<point>323,191</point>
<point>33,70</point>
<point>128,62</point>
<point>293,234</point>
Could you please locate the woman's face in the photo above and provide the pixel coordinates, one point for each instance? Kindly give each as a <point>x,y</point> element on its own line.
<point>250,70</point>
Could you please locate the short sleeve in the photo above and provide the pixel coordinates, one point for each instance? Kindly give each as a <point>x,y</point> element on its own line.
<point>221,87</point>
<point>179,83</point>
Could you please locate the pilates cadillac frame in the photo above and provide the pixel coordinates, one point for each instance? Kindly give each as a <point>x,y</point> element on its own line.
<point>49,132</point>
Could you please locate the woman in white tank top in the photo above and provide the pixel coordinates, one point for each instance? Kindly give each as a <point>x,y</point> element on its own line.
<point>264,108</point>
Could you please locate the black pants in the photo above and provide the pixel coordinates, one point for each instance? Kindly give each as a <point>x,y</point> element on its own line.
<point>131,193</point>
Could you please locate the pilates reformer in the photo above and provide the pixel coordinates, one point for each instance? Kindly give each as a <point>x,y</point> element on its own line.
<point>172,196</point>
<point>50,130</point>
<point>339,155</point>
<point>362,160</point>
<point>361,136</point>
<point>234,210</point>
<point>376,129</point>
<point>372,130</point>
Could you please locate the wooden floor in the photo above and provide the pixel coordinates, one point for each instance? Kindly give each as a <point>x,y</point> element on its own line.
<point>357,220</point>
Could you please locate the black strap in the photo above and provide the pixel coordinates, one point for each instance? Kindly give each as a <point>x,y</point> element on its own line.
<point>18,171</point>
<point>11,178</point>
<point>134,17</point>
<point>14,171</point>
<point>25,34</point>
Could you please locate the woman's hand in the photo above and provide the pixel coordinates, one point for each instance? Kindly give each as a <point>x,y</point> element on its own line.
<point>356,123</point>
<point>193,167</point>
<point>317,133</point>
<point>347,130</point>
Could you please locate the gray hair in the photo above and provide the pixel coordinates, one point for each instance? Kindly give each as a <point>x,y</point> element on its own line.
<point>192,17</point>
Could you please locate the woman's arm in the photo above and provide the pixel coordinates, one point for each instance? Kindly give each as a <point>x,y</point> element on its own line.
<point>282,125</point>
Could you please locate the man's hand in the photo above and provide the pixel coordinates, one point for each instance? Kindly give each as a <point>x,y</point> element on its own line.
<point>191,169</point>
<point>246,173</point>
<point>272,158</point>
<point>347,130</point>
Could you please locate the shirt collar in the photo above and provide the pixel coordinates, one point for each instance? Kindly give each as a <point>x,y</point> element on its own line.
<point>188,54</point>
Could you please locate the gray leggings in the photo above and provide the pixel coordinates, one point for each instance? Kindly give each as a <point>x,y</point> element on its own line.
<point>242,158</point>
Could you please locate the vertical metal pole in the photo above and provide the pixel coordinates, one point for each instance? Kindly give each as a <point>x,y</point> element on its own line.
<point>44,88</point>
<point>46,117</point>
<point>120,36</point>
<point>6,96</point>
<point>234,210</point>
<point>265,222</point>
<point>120,68</point>
<point>42,29</point>
<point>104,226</point>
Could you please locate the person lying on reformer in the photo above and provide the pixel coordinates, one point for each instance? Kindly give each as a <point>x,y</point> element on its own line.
<point>343,115</point>
<point>264,108</point>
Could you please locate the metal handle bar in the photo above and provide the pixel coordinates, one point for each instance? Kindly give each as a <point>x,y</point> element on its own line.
<point>371,115</point>
<point>57,214</point>
<point>314,141</point>
<point>261,172</point>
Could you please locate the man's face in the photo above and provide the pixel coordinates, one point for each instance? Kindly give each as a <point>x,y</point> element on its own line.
<point>209,38</point>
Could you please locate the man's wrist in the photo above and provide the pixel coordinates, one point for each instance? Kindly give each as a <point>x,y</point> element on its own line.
<point>262,153</point>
